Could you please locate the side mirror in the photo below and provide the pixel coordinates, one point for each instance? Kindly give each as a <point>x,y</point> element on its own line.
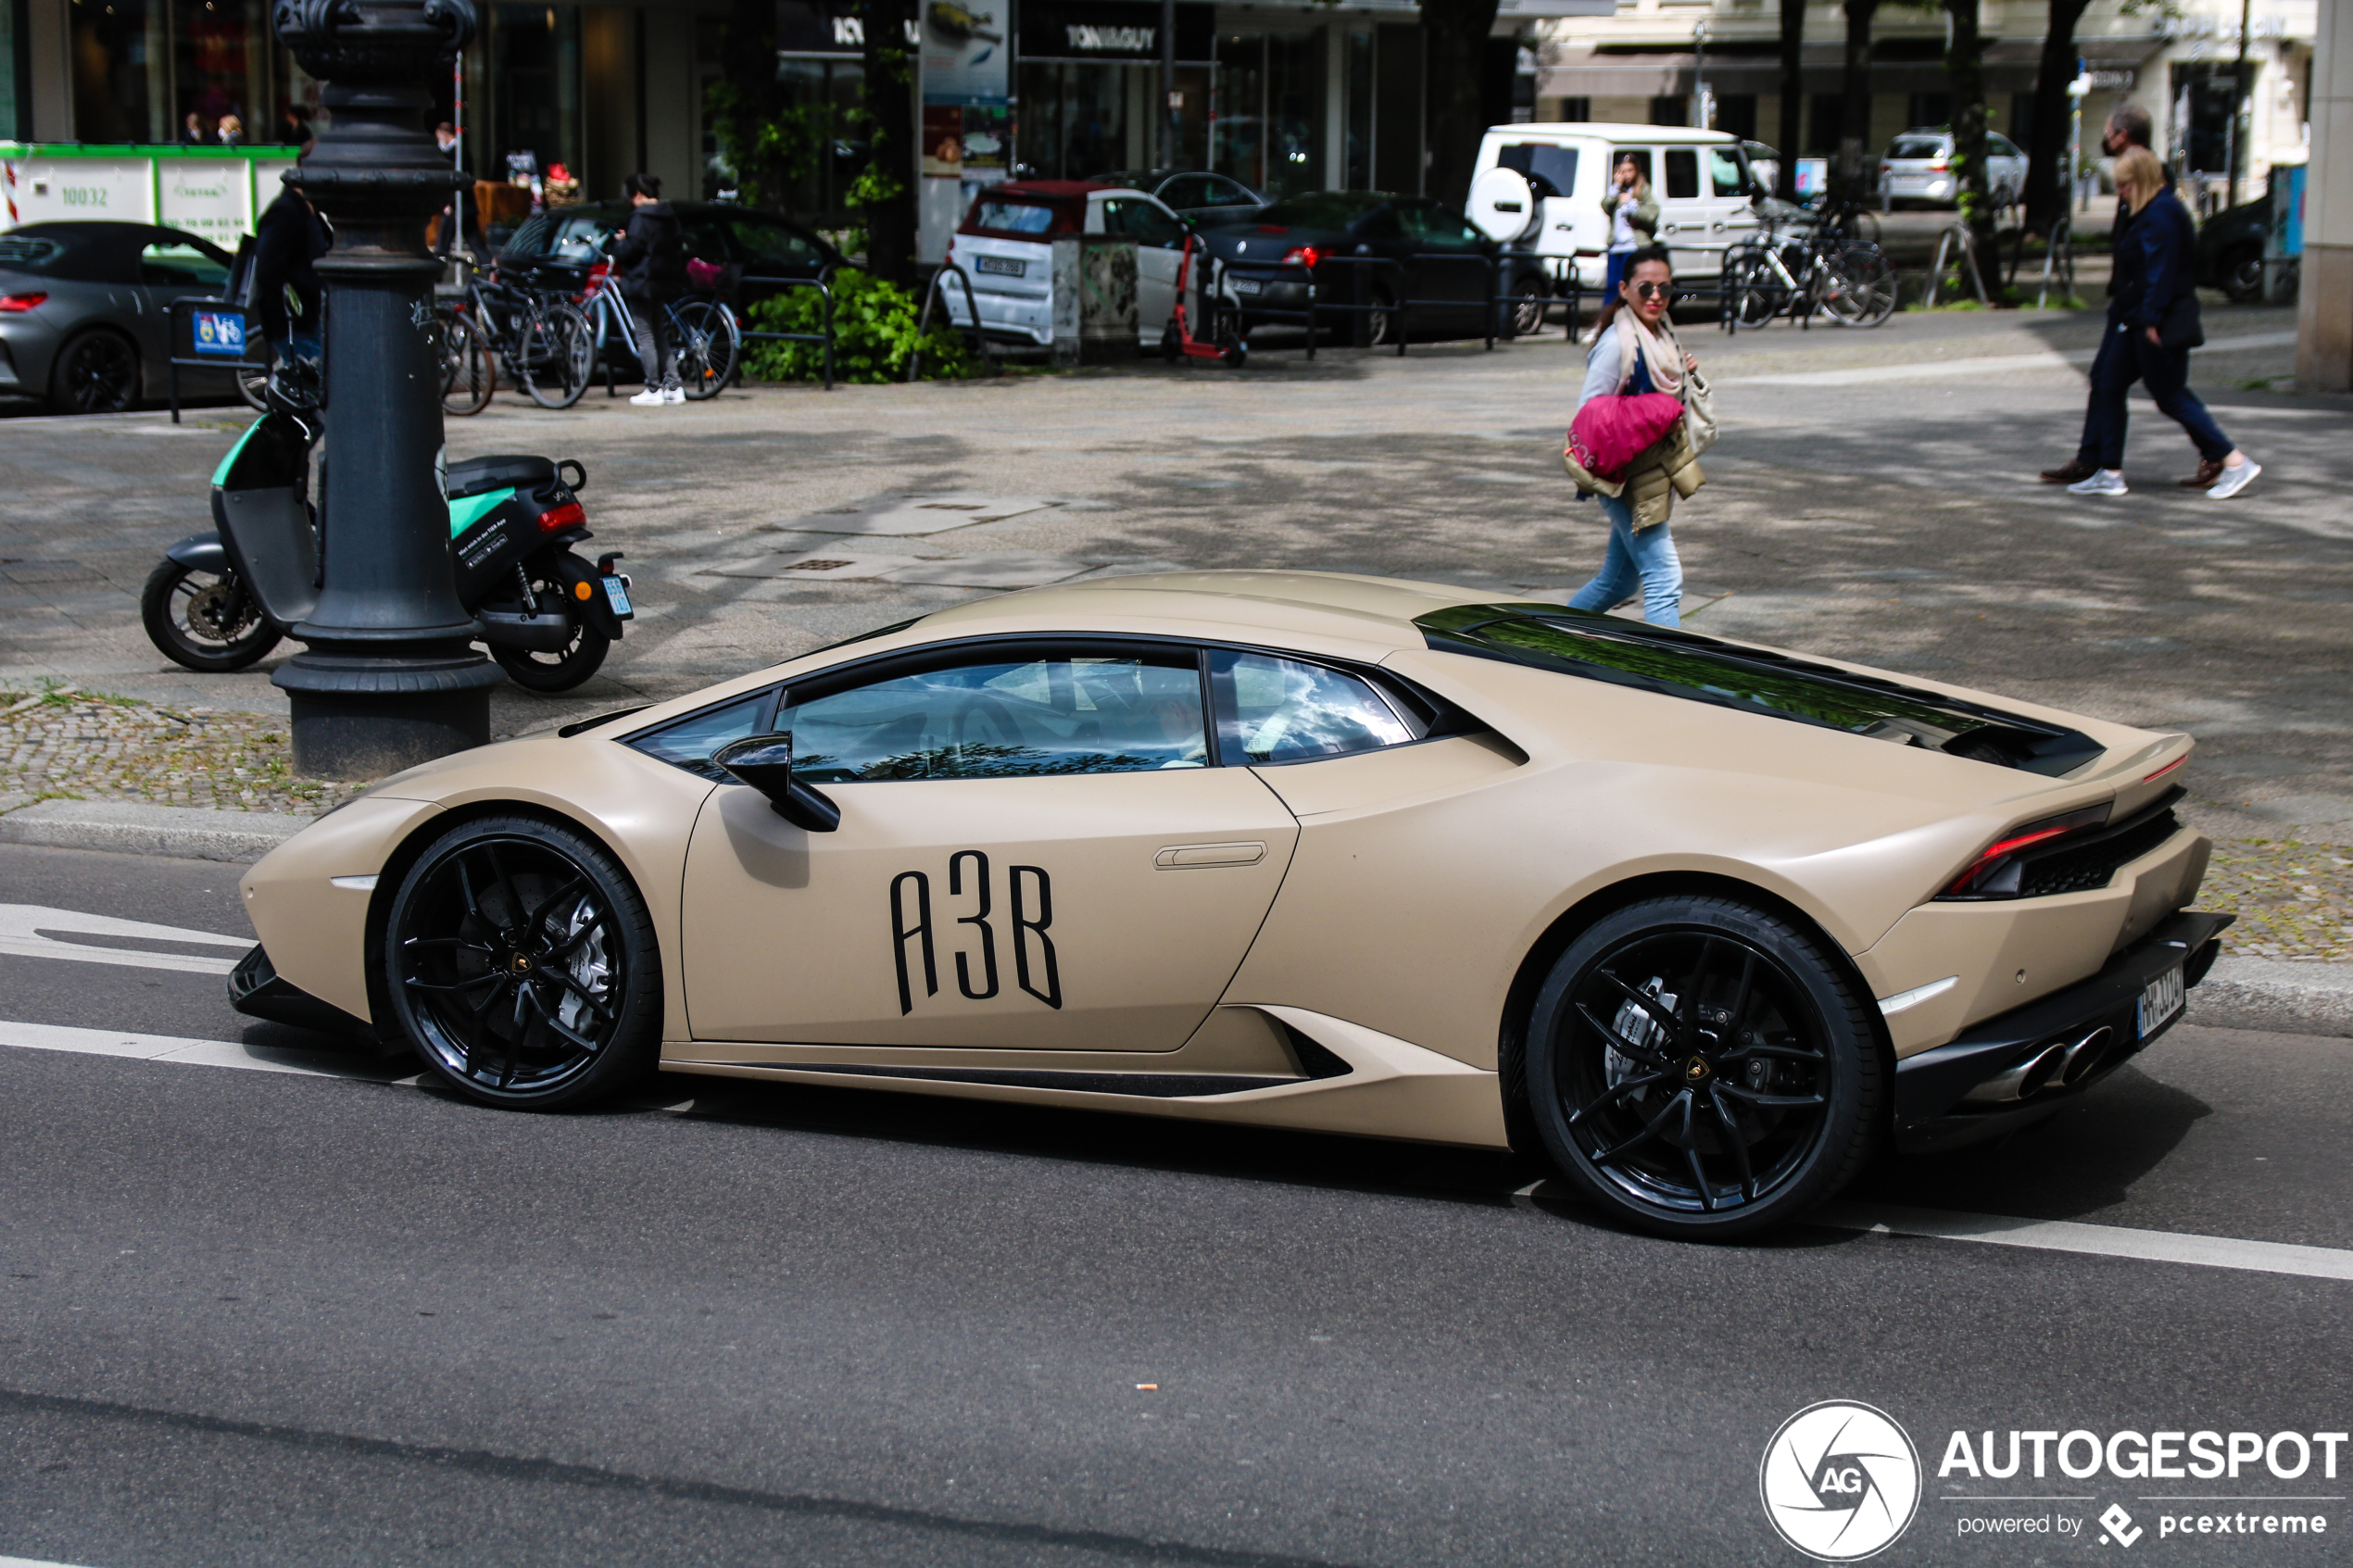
<point>765,763</point>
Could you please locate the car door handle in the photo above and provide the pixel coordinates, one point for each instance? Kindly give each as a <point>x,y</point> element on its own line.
<point>1181,857</point>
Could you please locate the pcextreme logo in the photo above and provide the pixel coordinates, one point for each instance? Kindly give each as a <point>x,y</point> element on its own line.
<point>1839,1480</point>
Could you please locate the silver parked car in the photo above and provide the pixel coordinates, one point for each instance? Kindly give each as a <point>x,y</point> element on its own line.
<point>1919,168</point>
<point>1200,199</point>
<point>85,314</point>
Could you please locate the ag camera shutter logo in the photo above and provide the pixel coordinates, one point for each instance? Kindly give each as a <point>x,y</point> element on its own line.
<point>1840,1481</point>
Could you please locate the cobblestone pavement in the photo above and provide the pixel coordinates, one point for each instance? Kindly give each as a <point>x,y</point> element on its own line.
<point>1872,497</point>
<point>61,741</point>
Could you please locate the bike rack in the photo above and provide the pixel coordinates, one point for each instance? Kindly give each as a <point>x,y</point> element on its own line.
<point>174,364</point>
<point>1967,256</point>
<point>827,338</point>
<point>972,307</point>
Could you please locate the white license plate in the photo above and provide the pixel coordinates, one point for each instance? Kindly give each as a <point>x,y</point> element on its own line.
<point>1247,285</point>
<point>617,594</point>
<point>1004,266</point>
<point>2160,999</point>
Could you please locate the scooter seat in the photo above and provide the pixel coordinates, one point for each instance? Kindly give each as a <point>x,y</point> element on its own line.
<point>506,470</point>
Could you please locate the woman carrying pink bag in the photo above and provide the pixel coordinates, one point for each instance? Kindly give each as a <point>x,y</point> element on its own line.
<point>1631,444</point>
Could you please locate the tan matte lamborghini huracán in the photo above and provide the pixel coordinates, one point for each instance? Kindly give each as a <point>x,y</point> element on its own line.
<point>1701,921</point>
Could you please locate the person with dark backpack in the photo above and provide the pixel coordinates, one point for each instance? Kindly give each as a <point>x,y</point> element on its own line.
<point>649,259</point>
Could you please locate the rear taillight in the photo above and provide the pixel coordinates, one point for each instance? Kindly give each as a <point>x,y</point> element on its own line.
<point>555,519</point>
<point>17,303</point>
<point>2166,769</point>
<point>1303,256</point>
<point>1939,164</point>
<point>1995,872</point>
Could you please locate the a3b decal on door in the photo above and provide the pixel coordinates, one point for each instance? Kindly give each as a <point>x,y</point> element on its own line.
<point>915,940</point>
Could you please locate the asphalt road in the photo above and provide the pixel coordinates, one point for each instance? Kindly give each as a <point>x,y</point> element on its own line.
<point>322,1315</point>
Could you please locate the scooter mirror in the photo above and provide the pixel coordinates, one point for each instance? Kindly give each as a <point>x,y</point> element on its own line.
<point>765,763</point>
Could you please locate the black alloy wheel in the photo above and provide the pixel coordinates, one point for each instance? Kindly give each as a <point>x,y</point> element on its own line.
<point>561,670</point>
<point>204,619</point>
<point>522,965</point>
<point>95,373</point>
<point>1702,1069</point>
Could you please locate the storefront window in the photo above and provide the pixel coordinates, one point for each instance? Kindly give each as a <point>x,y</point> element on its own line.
<point>1237,142</point>
<point>219,65</point>
<point>535,84</point>
<point>827,146</point>
<point>1269,131</point>
<point>121,86</point>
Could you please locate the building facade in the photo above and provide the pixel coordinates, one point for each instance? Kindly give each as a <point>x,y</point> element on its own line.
<point>1641,63</point>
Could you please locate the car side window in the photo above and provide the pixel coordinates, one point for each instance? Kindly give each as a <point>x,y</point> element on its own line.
<point>1641,157</point>
<point>1682,173</point>
<point>1435,227</point>
<point>2003,146</point>
<point>582,237</point>
<point>1272,709</point>
<point>1224,192</point>
<point>1188,190</point>
<point>1146,224</point>
<point>171,263</point>
<point>1006,717</point>
<point>1726,172</point>
<point>773,244</point>
<point>687,742</point>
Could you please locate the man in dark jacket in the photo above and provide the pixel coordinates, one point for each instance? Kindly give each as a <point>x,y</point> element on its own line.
<point>290,237</point>
<point>649,258</point>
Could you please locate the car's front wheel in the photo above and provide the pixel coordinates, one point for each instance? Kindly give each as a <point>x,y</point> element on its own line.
<point>1702,1068</point>
<point>95,373</point>
<point>2241,274</point>
<point>521,964</point>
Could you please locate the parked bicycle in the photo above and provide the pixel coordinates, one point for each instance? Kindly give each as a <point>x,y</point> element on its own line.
<point>702,329</point>
<point>1797,270</point>
<point>540,337</point>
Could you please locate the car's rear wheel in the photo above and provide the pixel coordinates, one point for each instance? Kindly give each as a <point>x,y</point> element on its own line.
<point>1531,297</point>
<point>1702,1068</point>
<point>2241,273</point>
<point>95,373</point>
<point>522,965</point>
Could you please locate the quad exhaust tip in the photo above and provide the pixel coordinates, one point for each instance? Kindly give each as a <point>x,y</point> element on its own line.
<point>2062,1064</point>
<point>2086,1055</point>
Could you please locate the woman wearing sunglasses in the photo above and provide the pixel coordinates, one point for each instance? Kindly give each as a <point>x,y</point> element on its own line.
<point>1635,351</point>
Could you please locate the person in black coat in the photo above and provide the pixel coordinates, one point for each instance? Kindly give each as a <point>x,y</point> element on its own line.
<point>2152,323</point>
<point>649,258</point>
<point>290,237</point>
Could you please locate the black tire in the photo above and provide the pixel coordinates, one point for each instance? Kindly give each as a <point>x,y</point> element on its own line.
<point>1530,300</point>
<point>253,386</point>
<point>555,350</point>
<point>709,349</point>
<point>1382,320</point>
<point>202,619</point>
<point>2239,271</point>
<point>469,371</point>
<point>1635,1095</point>
<point>96,372</point>
<point>559,671</point>
<point>522,965</point>
<point>1858,286</point>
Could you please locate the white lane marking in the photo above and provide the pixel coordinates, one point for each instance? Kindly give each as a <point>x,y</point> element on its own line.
<point>160,1048</point>
<point>2104,1241</point>
<point>30,1563</point>
<point>23,929</point>
<point>1983,365</point>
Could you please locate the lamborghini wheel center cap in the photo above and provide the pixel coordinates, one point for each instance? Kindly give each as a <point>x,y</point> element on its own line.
<point>1697,1071</point>
<point>521,964</point>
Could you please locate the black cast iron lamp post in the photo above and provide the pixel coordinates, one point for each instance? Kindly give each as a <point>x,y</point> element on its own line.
<point>389,678</point>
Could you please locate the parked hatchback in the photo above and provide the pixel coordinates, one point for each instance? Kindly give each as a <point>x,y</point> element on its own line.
<point>1919,168</point>
<point>85,312</point>
<point>1005,249</point>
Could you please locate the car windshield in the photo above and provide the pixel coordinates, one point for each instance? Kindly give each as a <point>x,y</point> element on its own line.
<point>1917,147</point>
<point>1014,217</point>
<point>1682,664</point>
<point>1323,209</point>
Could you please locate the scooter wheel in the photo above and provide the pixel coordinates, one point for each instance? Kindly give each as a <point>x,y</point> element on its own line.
<point>556,671</point>
<point>204,619</point>
<point>1172,347</point>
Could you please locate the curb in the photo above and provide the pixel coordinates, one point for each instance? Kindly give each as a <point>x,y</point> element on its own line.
<point>128,828</point>
<point>2273,994</point>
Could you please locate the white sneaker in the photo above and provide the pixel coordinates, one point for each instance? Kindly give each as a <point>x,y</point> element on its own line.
<point>2107,481</point>
<point>649,398</point>
<point>673,396</point>
<point>2235,480</point>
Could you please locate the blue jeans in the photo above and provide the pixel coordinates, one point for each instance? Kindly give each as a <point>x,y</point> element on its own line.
<point>1644,559</point>
<point>2126,356</point>
<point>1617,274</point>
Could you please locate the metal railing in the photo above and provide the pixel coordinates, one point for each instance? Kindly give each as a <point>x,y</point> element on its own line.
<point>825,293</point>
<point>923,319</point>
<point>1399,311</point>
<point>215,362</point>
<point>1964,259</point>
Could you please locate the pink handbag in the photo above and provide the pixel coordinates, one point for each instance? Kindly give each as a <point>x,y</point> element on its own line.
<point>704,274</point>
<point>1609,432</point>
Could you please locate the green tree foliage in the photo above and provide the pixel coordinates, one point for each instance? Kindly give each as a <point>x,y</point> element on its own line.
<point>874,335</point>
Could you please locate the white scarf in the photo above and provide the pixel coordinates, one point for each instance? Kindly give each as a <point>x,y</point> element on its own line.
<point>1661,354</point>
